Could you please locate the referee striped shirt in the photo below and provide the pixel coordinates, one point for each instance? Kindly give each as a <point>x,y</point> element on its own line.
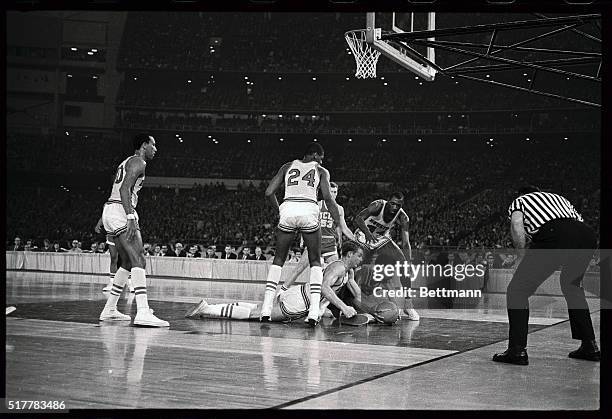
<point>540,207</point>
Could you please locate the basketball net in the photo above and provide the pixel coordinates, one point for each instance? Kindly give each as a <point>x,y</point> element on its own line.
<point>366,57</point>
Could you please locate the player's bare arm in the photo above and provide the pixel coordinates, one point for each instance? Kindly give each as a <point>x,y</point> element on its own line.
<point>343,228</point>
<point>331,275</point>
<point>332,206</point>
<point>372,209</point>
<point>517,231</point>
<point>353,287</point>
<point>405,225</point>
<point>98,226</point>
<point>276,183</point>
<point>134,168</point>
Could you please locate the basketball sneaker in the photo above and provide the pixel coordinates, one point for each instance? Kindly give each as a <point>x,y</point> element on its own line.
<point>146,318</point>
<point>311,322</point>
<point>196,309</point>
<point>411,314</point>
<point>113,314</point>
<point>10,309</point>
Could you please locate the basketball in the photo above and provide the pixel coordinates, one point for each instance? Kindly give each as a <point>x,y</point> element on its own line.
<point>386,312</point>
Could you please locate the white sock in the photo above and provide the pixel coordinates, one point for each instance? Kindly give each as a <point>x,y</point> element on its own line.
<point>247,305</point>
<point>139,281</point>
<point>230,311</point>
<point>111,278</point>
<point>274,275</point>
<point>118,283</point>
<point>316,278</point>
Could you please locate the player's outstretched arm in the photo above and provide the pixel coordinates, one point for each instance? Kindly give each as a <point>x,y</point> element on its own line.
<point>334,272</point>
<point>343,228</point>
<point>134,168</point>
<point>332,206</point>
<point>275,184</point>
<point>372,209</point>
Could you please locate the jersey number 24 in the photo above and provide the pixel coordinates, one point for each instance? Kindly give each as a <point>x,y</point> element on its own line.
<point>308,177</point>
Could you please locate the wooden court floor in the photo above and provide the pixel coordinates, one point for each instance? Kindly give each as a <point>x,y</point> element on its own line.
<point>57,350</point>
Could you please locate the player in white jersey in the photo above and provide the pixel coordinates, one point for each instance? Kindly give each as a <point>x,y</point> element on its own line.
<point>331,238</point>
<point>295,303</point>
<point>299,212</point>
<point>121,221</point>
<point>374,224</point>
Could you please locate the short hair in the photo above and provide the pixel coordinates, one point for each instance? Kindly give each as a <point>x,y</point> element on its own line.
<point>333,184</point>
<point>527,189</point>
<point>140,139</point>
<point>398,195</point>
<point>314,148</point>
<point>349,246</point>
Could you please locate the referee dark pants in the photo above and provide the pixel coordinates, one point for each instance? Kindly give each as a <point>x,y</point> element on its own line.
<point>562,242</point>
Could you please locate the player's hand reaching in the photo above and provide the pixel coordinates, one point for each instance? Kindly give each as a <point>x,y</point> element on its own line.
<point>370,238</point>
<point>349,312</point>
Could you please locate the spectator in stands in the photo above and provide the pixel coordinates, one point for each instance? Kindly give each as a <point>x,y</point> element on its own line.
<point>46,246</point>
<point>259,254</point>
<point>210,253</point>
<point>508,261</point>
<point>76,248</point>
<point>29,246</point>
<point>93,248</point>
<point>101,247</point>
<point>157,250</point>
<point>227,253</point>
<point>194,252</point>
<point>166,252</point>
<point>146,249</point>
<point>18,247</point>
<point>246,254</point>
<point>57,248</point>
<point>179,251</point>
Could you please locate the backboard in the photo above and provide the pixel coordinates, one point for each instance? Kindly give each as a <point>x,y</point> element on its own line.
<point>417,59</point>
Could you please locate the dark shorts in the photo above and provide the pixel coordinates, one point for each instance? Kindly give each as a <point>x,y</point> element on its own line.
<point>328,246</point>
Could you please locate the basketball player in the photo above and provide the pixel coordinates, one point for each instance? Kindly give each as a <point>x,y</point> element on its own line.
<point>121,221</point>
<point>114,256</point>
<point>295,302</point>
<point>299,212</point>
<point>374,224</point>
<point>331,238</point>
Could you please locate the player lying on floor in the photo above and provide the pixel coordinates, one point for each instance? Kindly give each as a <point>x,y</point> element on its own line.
<point>293,303</point>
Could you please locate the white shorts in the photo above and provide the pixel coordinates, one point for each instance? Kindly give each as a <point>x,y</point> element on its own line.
<point>299,216</point>
<point>295,302</point>
<point>380,240</point>
<point>114,219</point>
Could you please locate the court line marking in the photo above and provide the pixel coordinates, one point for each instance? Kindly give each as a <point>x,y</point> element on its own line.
<point>386,374</point>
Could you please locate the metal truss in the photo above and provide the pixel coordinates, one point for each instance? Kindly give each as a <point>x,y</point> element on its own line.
<point>492,52</point>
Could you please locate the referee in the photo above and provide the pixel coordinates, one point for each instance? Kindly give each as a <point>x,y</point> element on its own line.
<point>552,223</point>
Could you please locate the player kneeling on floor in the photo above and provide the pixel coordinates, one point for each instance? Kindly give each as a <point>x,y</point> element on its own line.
<point>294,303</point>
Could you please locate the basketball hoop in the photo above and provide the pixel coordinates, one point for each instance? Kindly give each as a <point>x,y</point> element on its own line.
<point>366,57</point>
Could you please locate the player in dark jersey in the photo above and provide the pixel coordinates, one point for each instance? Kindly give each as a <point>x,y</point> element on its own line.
<point>374,224</point>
